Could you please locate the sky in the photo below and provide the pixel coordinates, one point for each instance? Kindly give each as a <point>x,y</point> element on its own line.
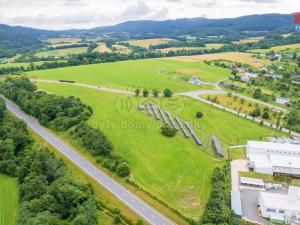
<point>67,14</point>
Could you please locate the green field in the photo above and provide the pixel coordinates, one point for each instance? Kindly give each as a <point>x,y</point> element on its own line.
<point>175,170</point>
<point>9,202</point>
<point>150,73</point>
<point>61,52</point>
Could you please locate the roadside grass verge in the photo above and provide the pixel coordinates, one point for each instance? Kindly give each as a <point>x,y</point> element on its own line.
<point>9,200</point>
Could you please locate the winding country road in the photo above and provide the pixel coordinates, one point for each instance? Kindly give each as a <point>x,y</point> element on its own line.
<point>137,205</point>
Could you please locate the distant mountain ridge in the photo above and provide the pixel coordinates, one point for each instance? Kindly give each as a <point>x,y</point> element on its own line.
<point>16,38</point>
<point>203,26</point>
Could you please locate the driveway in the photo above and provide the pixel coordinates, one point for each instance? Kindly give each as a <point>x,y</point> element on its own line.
<point>237,166</point>
<point>249,199</point>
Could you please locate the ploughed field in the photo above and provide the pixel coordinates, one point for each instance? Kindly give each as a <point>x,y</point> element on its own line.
<point>175,170</point>
<point>129,75</point>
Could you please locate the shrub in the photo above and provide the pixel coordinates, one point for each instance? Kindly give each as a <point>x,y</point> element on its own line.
<point>145,93</point>
<point>137,92</point>
<point>168,93</point>
<point>266,115</point>
<point>123,169</point>
<point>168,131</point>
<point>155,93</point>
<point>256,112</point>
<point>199,114</point>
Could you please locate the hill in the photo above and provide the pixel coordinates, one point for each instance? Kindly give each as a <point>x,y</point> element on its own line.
<point>203,26</point>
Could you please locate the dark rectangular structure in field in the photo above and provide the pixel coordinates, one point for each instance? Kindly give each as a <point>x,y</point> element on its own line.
<point>172,121</point>
<point>194,135</point>
<point>149,110</point>
<point>155,111</point>
<point>186,134</point>
<point>217,145</point>
<point>162,113</point>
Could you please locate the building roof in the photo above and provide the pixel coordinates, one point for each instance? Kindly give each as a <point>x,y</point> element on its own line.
<point>260,160</point>
<point>285,161</point>
<point>273,146</point>
<point>290,201</point>
<point>252,181</point>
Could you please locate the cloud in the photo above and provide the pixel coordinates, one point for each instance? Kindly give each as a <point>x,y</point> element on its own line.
<point>62,14</point>
<point>261,1</point>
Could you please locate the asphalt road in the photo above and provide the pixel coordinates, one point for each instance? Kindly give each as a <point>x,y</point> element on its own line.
<point>137,205</point>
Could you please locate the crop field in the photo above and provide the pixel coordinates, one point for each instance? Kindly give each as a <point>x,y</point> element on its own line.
<point>55,41</point>
<point>175,170</point>
<point>9,202</point>
<point>149,73</point>
<point>207,47</point>
<point>278,48</point>
<point>241,105</point>
<point>62,52</point>
<point>121,49</point>
<point>248,40</point>
<point>246,58</point>
<point>102,47</point>
<point>146,43</point>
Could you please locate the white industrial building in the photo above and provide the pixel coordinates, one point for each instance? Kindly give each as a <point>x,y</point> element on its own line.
<point>274,158</point>
<point>281,208</point>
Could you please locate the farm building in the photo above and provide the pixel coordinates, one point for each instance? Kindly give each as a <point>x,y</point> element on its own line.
<point>281,208</point>
<point>246,77</point>
<point>274,158</point>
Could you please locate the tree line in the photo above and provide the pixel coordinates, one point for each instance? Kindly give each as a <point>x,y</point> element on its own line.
<point>218,208</point>
<point>64,114</point>
<point>47,195</point>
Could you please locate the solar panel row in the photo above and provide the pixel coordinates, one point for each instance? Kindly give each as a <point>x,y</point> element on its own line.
<point>155,111</point>
<point>149,110</point>
<point>186,134</point>
<point>217,146</point>
<point>159,111</point>
<point>141,107</point>
<point>194,135</point>
<point>172,121</point>
<point>162,113</point>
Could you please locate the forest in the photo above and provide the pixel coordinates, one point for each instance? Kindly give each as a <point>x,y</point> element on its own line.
<point>64,114</point>
<point>47,195</point>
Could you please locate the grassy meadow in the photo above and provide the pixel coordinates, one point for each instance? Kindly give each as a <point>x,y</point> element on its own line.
<point>9,202</point>
<point>149,73</point>
<point>61,52</point>
<point>175,170</point>
<point>246,58</point>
